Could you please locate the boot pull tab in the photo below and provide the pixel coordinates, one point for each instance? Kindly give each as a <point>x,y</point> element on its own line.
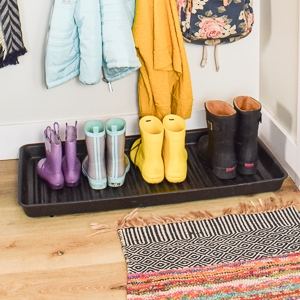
<point>95,129</point>
<point>260,118</point>
<point>66,131</point>
<point>212,126</point>
<point>48,138</point>
<point>114,128</point>
<point>75,129</point>
<point>48,133</point>
<point>56,129</point>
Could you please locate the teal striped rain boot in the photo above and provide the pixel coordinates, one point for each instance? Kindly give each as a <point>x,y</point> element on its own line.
<point>117,162</point>
<point>93,166</point>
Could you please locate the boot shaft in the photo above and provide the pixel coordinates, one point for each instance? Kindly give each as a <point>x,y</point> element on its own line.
<point>221,124</point>
<point>71,145</point>
<point>50,167</point>
<point>95,143</point>
<point>71,165</point>
<point>146,152</point>
<point>248,118</point>
<point>174,152</point>
<point>53,147</point>
<point>174,135</point>
<point>216,149</point>
<point>115,147</point>
<point>152,134</point>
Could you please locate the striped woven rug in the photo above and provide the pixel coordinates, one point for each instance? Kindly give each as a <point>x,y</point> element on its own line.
<point>251,256</point>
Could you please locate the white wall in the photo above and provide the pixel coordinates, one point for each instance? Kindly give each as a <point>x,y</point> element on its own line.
<point>279,78</point>
<point>27,107</point>
<point>279,61</point>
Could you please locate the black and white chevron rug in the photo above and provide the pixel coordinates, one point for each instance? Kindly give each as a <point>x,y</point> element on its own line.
<point>157,254</point>
<point>11,41</point>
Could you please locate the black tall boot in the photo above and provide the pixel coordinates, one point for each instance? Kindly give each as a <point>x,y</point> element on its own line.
<point>216,149</point>
<point>248,116</point>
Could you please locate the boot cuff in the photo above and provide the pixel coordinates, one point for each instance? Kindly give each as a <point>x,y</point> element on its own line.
<point>94,128</point>
<point>246,103</point>
<point>219,108</point>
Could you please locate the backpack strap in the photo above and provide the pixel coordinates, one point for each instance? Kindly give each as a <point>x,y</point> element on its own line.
<point>216,58</point>
<point>204,57</point>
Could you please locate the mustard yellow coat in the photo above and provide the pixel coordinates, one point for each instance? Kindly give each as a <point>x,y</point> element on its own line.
<point>164,85</point>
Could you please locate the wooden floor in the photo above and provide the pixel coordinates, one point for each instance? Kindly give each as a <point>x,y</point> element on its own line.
<point>53,258</point>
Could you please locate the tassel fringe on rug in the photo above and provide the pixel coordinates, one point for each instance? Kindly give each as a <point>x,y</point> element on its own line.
<point>134,220</point>
<point>251,252</point>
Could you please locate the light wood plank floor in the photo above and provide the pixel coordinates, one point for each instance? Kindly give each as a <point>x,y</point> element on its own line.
<point>53,258</point>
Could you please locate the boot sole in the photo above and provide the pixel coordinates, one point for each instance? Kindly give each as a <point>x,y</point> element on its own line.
<point>95,184</point>
<point>177,179</point>
<point>54,187</point>
<point>218,171</point>
<point>242,169</point>
<point>117,182</point>
<point>51,186</point>
<point>72,184</point>
<point>153,180</point>
<point>223,174</point>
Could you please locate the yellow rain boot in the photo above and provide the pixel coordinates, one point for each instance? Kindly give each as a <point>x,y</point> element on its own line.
<point>174,152</point>
<point>146,152</point>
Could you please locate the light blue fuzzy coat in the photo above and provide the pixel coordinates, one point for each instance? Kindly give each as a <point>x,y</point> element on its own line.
<point>88,35</point>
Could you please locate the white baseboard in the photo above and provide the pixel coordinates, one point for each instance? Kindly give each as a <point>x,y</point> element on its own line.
<point>15,136</point>
<point>280,143</point>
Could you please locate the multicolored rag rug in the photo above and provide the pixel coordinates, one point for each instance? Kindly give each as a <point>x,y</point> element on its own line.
<point>251,256</point>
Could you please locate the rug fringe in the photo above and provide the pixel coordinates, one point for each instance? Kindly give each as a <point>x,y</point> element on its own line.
<point>133,220</point>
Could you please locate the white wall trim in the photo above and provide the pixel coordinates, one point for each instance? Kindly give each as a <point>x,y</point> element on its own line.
<point>18,135</point>
<point>280,143</point>
<point>15,136</point>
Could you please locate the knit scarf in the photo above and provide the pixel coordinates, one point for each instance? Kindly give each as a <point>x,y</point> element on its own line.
<point>11,43</point>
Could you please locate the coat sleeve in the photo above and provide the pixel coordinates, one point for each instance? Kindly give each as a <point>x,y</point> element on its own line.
<point>119,53</point>
<point>88,21</point>
<point>62,45</point>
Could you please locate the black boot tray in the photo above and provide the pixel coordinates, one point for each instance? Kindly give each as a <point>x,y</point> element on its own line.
<point>39,200</point>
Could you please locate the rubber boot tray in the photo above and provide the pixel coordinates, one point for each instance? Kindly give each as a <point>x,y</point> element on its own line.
<point>39,200</point>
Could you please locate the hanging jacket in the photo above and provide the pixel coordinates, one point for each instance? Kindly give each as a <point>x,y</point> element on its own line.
<point>164,85</point>
<point>11,39</point>
<point>86,35</point>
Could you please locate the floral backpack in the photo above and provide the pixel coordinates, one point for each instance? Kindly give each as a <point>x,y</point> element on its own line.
<point>214,22</point>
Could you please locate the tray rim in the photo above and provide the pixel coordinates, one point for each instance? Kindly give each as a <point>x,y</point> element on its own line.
<point>26,206</point>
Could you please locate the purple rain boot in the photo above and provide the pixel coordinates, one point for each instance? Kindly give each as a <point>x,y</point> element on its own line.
<point>49,168</point>
<point>71,165</point>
